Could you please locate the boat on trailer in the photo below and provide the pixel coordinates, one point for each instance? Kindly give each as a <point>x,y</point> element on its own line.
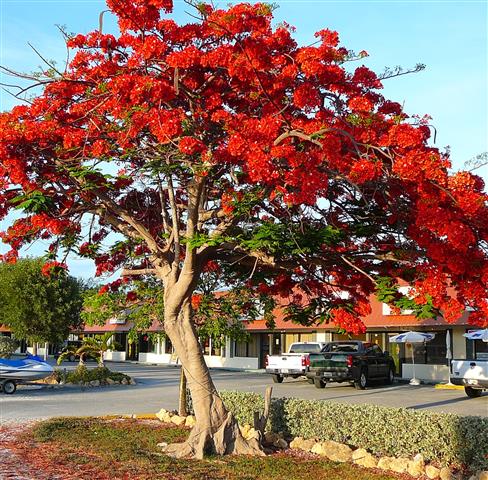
<point>28,369</point>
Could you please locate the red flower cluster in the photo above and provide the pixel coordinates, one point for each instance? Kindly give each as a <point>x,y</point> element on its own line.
<point>52,268</point>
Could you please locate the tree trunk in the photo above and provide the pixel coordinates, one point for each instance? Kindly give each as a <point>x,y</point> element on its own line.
<point>216,431</point>
<point>81,362</point>
<point>182,397</point>
<point>34,348</point>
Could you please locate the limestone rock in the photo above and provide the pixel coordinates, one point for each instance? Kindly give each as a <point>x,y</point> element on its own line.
<point>359,453</point>
<point>190,421</point>
<point>164,415</point>
<point>109,381</point>
<point>132,381</point>
<point>399,465</point>
<point>95,383</point>
<point>318,448</point>
<point>416,467</point>
<point>161,413</point>
<point>296,443</point>
<point>337,452</point>
<point>446,474</point>
<point>363,458</point>
<point>124,381</point>
<point>384,463</point>
<point>307,444</point>
<point>432,472</point>
<point>177,420</point>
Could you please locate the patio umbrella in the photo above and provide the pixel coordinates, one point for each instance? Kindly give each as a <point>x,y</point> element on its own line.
<point>477,335</point>
<point>448,355</point>
<point>412,337</point>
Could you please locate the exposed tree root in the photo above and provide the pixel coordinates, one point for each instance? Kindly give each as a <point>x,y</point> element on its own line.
<point>227,440</point>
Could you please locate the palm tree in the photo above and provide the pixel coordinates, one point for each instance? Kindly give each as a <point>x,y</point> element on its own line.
<point>92,347</point>
<point>69,352</point>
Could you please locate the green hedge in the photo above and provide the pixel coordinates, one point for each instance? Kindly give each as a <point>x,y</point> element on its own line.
<point>83,374</point>
<point>446,438</point>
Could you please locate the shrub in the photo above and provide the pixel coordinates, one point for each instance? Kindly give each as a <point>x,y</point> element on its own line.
<point>7,346</point>
<point>442,437</point>
<point>83,374</point>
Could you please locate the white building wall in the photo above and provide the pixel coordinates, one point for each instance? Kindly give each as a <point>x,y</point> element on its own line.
<point>324,336</point>
<point>164,358</point>
<point>113,356</point>
<point>429,373</point>
<point>458,343</point>
<point>214,361</point>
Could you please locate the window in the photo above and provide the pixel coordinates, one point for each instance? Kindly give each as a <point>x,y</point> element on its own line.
<point>341,347</point>
<point>306,348</point>
<point>480,350</point>
<point>241,349</point>
<point>376,350</point>
<point>247,349</point>
<point>428,353</point>
<point>206,346</point>
<point>120,339</point>
<point>215,349</point>
<point>168,346</point>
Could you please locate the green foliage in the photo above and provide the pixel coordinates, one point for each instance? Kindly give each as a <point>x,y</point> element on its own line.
<point>83,374</point>
<point>282,239</point>
<point>387,292</point>
<point>100,307</point>
<point>36,307</point>
<point>33,202</point>
<point>93,347</point>
<point>148,305</point>
<point>447,438</point>
<point>7,346</point>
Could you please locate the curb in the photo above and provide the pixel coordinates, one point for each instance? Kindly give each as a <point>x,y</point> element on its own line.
<point>137,416</point>
<point>446,386</point>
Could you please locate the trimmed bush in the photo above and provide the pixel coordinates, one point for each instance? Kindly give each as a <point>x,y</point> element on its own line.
<point>446,438</point>
<point>83,374</point>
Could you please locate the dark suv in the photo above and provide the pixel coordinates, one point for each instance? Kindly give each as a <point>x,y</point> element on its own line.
<point>63,348</point>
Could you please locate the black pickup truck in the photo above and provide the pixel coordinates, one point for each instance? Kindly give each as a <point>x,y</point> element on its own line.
<point>351,361</point>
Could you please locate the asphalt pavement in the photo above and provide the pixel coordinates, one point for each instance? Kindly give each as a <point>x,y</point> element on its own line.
<point>157,387</point>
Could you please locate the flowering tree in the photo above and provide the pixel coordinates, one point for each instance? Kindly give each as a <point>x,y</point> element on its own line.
<point>224,141</point>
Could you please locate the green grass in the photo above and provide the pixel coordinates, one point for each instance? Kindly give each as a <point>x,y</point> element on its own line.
<point>119,449</point>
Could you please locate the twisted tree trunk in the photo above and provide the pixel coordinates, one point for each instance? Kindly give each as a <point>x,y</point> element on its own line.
<point>216,431</point>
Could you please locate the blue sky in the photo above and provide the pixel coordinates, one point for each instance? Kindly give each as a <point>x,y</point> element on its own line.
<point>450,37</point>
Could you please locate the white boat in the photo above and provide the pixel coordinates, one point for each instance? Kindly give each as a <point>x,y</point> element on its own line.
<point>23,370</point>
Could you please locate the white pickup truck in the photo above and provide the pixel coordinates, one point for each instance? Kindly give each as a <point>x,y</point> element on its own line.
<point>293,364</point>
<point>471,374</point>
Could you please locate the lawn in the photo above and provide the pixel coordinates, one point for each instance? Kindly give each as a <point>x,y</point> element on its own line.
<point>126,449</point>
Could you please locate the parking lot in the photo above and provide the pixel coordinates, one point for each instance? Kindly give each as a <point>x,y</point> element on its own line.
<point>157,386</point>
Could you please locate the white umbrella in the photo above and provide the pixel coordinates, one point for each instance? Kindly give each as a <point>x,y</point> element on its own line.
<point>413,337</point>
<point>448,355</point>
<point>477,335</point>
